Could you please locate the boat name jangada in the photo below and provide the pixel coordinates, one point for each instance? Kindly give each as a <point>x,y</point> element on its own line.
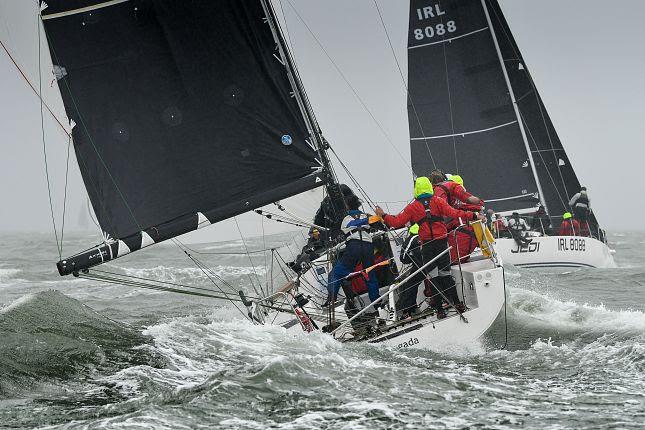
<point>412,341</point>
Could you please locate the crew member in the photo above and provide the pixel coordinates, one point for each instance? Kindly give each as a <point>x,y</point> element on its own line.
<point>580,204</point>
<point>411,254</point>
<point>569,226</point>
<point>428,211</point>
<point>541,221</point>
<point>312,250</point>
<point>518,228</point>
<point>332,210</point>
<point>358,248</point>
<point>461,236</point>
<point>452,191</point>
<point>500,227</point>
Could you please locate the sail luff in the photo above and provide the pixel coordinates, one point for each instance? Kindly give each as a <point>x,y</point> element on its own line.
<point>520,122</point>
<point>299,90</point>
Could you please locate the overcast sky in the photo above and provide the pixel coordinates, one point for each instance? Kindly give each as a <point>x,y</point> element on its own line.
<point>586,57</point>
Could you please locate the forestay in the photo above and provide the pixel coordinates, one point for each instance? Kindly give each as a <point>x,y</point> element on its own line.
<point>185,114</point>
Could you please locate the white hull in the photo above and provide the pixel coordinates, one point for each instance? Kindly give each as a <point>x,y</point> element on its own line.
<point>556,252</point>
<point>483,293</point>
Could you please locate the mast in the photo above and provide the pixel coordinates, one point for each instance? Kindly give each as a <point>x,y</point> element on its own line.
<point>299,92</point>
<point>514,102</point>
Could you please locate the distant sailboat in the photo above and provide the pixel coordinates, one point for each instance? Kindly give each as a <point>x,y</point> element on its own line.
<point>184,114</point>
<point>473,109</point>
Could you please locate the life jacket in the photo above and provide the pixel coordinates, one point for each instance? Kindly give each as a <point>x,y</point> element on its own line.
<point>356,226</point>
<point>517,224</point>
<point>429,218</point>
<point>583,200</point>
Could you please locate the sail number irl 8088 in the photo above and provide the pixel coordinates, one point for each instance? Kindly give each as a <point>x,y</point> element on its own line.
<point>435,30</point>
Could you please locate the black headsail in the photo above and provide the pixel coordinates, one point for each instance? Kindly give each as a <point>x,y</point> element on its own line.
<point>554,170</point>
<point>474,109</point>
<point>186,114</point>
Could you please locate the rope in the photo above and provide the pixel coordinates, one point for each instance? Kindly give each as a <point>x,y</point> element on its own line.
<point>405,85</point>
<point>42,131</point>
<point>38,94</point>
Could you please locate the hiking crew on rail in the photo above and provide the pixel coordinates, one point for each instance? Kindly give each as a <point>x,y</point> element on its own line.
<point>429,211</point>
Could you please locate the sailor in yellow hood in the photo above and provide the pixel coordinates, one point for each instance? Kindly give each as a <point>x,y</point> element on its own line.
<point>423,188</point>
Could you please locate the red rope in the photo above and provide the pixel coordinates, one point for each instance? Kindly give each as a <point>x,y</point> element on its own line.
<point>34,89</point>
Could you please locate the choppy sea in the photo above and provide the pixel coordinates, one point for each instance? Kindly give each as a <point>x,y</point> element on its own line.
<point>75,353</point>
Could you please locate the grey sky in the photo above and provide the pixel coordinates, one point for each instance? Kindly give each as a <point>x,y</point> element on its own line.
<point>585,56</point>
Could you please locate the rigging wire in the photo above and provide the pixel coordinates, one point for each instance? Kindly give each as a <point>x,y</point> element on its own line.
<point>351,87</point>
<point>42,130</point>
<point>405,84</point>
<point>62,229</point>
<point>250,260</point>
<point>564,204</point>
<point>537,99</point>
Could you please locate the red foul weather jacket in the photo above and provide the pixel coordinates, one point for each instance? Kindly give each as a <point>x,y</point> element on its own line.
<point>451,192</point>
<point>428,229</point>
<point>568,228</point>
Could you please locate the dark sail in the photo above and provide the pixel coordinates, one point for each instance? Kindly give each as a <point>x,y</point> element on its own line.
<point>182,107</point>
<point>460,110</point>
<point>555,172</point>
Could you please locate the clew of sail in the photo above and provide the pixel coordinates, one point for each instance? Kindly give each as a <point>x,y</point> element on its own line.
<point>185,114</point>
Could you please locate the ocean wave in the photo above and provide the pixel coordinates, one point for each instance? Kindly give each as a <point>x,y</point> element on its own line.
<point>542,309</point>
<point>50,335</point>
<point>10,275</point>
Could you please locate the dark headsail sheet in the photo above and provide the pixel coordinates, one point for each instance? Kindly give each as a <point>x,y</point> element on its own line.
<point>460,112</point>
<point>557,178</point>
<point>181,107</point>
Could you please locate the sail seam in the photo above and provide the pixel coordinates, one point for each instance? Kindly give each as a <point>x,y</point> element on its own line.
<point>547,150</point>
<point>449,40</point>
<point>509,198</point>
<point>83,9</point>
<point>465,132</point>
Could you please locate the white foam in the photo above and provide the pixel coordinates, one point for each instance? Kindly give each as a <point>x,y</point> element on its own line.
<point>7,274</point>
<point>182,273</point>
<point>541,308</point>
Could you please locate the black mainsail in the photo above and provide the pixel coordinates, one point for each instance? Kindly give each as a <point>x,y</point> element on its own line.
<point>186,112</point>
<point>473,108</point>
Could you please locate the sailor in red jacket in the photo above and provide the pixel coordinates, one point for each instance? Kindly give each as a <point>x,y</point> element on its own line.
<point>428,212</point>
<point>452,191</point>
<point>569,226</point>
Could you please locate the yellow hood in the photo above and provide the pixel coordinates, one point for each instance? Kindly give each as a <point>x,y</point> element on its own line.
<point>422,186</point>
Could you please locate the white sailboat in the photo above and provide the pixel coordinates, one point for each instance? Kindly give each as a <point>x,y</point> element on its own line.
<point>474,110</point>
<point>190,114</point>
